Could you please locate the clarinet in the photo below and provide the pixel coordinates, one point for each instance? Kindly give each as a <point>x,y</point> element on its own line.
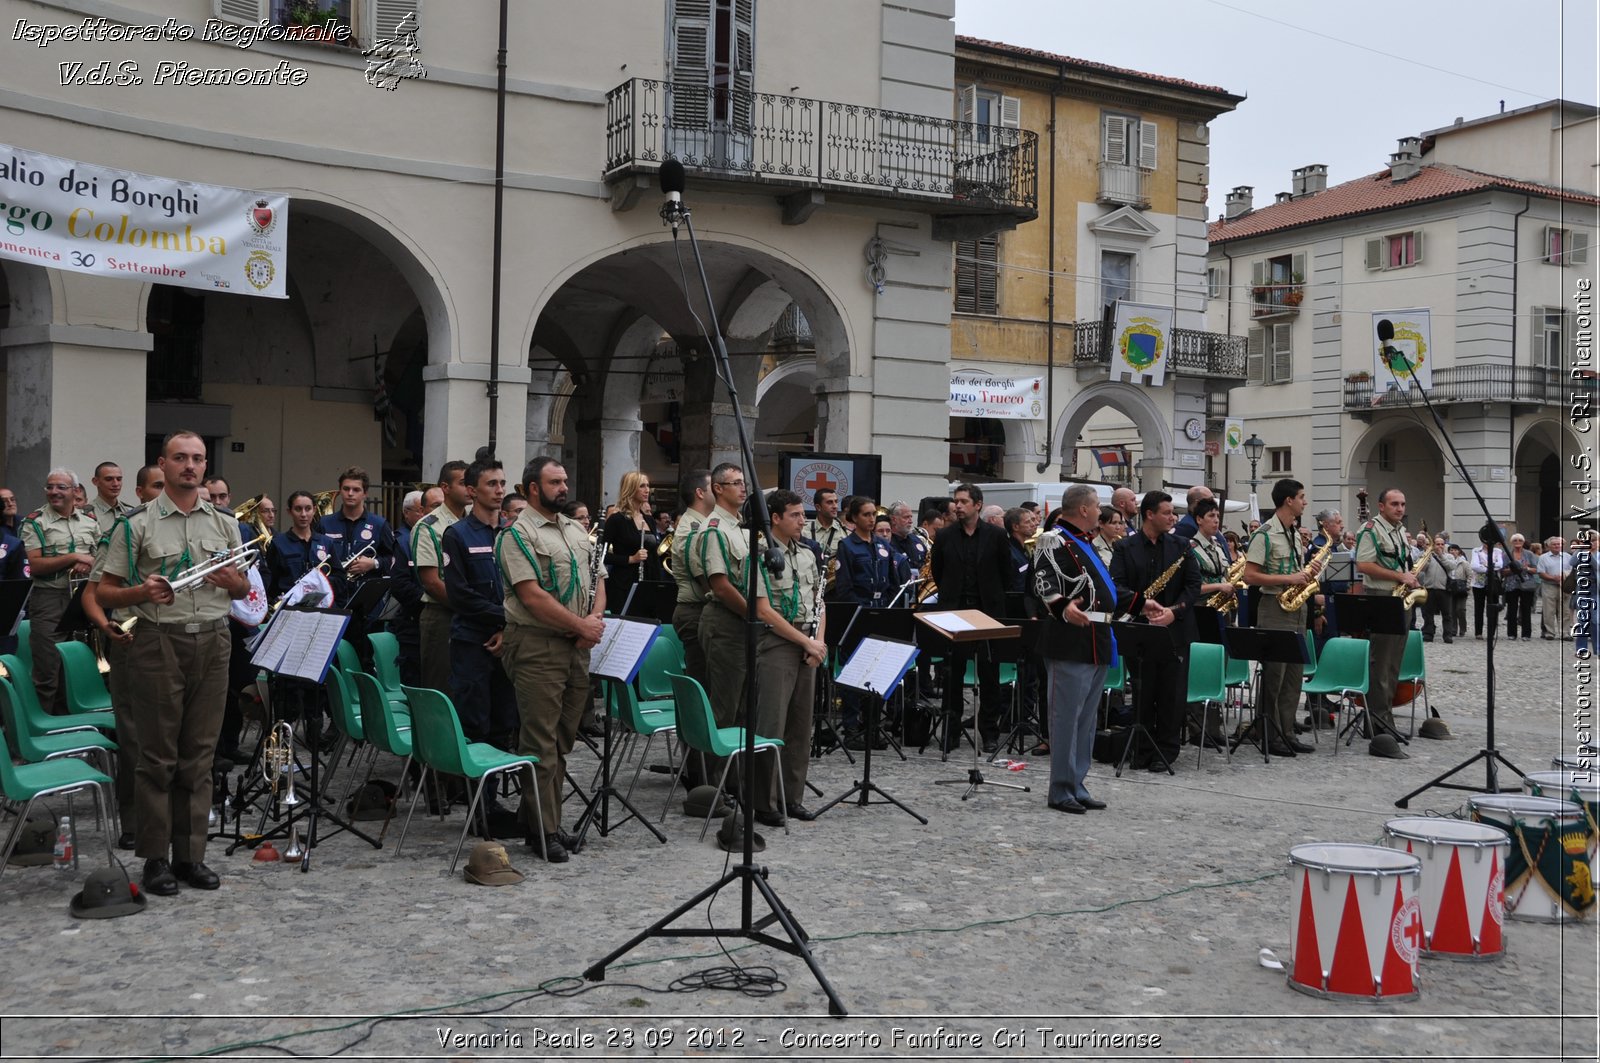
<point>597,561</point>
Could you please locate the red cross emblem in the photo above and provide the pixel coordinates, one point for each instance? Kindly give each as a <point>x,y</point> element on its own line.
<point>821,481</point>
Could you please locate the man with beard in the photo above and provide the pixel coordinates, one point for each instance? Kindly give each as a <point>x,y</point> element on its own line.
<point>553,619</point>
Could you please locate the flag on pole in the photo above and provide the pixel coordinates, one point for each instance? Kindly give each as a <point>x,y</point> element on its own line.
<point>1142,338</point>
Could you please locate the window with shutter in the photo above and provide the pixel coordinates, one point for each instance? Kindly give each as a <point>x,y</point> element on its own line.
<point>1255,356</point>
<point>689,64</point>
<point>977,276</point>
<point>1374,254</point>
<point>1216,282</point>
<point>968,104</point>
<point>1114,139</point>
<point>382,17</point>
<point>744,62</point>
<point>1147,145</point>
<point>248,12</point>
<point>1282,369</point>
<point>1565,247</point>
<point>1578,251</point>
<point>1549,337</point>
<point>1011,112</point>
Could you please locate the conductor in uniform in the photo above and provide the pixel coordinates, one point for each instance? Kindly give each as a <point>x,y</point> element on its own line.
<point>180,653</point>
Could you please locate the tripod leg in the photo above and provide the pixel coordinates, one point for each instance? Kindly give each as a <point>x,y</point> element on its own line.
<point>836,1006</point>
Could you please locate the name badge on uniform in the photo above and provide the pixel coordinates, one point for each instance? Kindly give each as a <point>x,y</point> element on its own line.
<point>334,535</point>
<point>480,549</point>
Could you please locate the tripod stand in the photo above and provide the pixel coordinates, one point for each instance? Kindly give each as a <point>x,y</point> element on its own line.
<point>869,670</point>
<point>1153,648</point>
<point>617,666</point>
<point>963,626</point>
<point>750,878</point>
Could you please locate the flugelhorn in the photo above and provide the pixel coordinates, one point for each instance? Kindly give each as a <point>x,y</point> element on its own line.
<point>277,758</point>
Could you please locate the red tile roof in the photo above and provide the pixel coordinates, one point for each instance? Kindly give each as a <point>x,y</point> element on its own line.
<point>1085,64</point>
<point>1376,192</point>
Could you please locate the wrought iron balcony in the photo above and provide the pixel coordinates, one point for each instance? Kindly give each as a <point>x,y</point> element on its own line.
<point>796,143</point>
<point>1203,354</point>
<point>1123,185</point>
<point>1276,300</point>
<point>1520,384</point>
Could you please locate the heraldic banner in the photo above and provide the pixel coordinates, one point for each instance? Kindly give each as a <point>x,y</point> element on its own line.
<point>115,223</point>
<point>1407,357</point>
<point>978,393</point>
<point>1141,338</point>
<point>1232,435</point>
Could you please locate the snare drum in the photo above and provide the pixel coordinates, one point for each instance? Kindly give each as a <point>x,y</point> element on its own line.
<point>1463,879</point>
<point>1356,932</point>
<point>1582,788</point>
<point>1550,845</point>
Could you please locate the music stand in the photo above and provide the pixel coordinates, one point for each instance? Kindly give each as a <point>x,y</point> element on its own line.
<point>840,638</point>
<point>73,618</point>
<point>650,599</point>
<point>1136,642</point>
<point>876,669</point>
<point>1264,646</point>
<point>617,658</point>
<point>879,622</point>
<point>1032,633</point>
<point>1365,615</point>
<point>963,626</point>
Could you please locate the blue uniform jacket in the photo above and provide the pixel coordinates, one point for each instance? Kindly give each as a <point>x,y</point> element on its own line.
<point>350,537</point>
<point>472,580</point>
<point>290,558</point>
<point>867,573</point>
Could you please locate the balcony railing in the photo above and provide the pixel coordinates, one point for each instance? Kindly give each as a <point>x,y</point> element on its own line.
<point>802,143</point>
<point>1276,300</point>
<point>1527,384</point>
<point>1202,354</point>
<point>1123,184</point>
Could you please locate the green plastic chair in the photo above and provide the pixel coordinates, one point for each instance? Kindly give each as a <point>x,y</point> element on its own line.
<point>26,783</point>
<point>1342,671</point>
<point>1117,675</point>
<point>80,673</point>
<point>34,749</point>
<point>24,646</point>
<point>698,729</point>
<point>31,714</point>
<point>443,748</point>
<point>1208,684</point>
<point>1414,668</point>
<point>386,662</point>
<point>625,707</point>
<point>1311,654</point>
<point>346,659</point>
<point>345,710</point>
<point>379,725</point>
<point>664,657</point>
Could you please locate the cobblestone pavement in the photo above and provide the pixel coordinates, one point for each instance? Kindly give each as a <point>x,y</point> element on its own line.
<point>1001,928</point>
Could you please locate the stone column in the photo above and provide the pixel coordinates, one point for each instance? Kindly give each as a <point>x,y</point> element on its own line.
<point>456,414</point>
<point>710,433</point>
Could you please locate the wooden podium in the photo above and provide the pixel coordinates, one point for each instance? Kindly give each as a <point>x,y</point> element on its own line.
<point>963,626</point>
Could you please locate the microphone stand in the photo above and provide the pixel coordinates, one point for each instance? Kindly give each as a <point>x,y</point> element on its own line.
<point>1492,537</point>
<point>746,874</point>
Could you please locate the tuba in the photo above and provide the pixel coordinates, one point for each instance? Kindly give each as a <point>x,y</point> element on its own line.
<point>324,502</point>
<point>926,589</point>
<point>250,513</point>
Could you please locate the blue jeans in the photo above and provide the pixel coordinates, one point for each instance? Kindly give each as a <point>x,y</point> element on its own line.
<point>483,695</point>
<point>1075,689</point>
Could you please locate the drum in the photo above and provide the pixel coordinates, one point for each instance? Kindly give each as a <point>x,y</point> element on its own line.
<point>1463,880</point>
<point>1582,788</point>
<point>1549,845</point>
<point>1356,932</point>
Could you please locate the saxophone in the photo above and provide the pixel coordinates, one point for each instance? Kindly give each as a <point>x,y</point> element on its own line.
<point>1415,596</point>
<point>1228,601</point>
<point>926,588</point>
<point>1295,597</point>
<point>1166,577</point>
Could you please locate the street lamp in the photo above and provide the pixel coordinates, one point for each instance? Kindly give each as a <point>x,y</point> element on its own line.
<point>1254,447</point>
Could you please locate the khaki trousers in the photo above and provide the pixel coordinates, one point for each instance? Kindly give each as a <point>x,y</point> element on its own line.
<point>46,606</point>
<point>180,682</point>
<point>783,710</point>
<point>1383,674</point>
<point>433,629</point>
<point>121,686</point>
<point>722,638</point>
<point>551,677</point>
<point>1280,683</point>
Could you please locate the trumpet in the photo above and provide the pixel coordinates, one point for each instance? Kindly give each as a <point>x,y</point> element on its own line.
<point>366,551</point>
<point>240,557</point>
<point>277,758</point>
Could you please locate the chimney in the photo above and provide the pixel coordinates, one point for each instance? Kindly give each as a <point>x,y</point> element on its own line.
<point>1239,202</point>
<point>1283,197</point>
<point>1404,164</point>
<point>1309,180</point>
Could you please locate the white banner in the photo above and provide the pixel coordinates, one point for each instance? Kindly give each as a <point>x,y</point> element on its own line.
<point>978,393</point>
<point>115,223</point>
<point>1141,339</point>
<point>1405,357</point>
<point>1232,435</point>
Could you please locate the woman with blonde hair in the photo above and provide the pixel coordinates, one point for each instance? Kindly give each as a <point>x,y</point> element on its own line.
<point>630,541</point>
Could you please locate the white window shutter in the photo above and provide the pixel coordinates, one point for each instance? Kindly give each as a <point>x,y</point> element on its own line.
<point>1297,267</point>
<point>1282,353</point>
<point>1577,248</point>
<point>1416,247</point>
<point>1147,145</point>
<point>1375,254</point>
<point>1536,344</point>
<point>1258,273</point>
<point>1114,139</point>
<point>244,12</point>
<point>382,17</point>
<point>1255,356</point>
<point>1550,241</point>
<point>969,103</point>
<point>1011,112</point>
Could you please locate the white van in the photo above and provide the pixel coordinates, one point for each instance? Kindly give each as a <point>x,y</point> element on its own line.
<point>1048,495</point>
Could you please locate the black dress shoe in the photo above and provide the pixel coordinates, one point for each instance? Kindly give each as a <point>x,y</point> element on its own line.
<point>802,813</point>
<point>1157,767</point>
<point>1301,747</point>
<point>197,875</point>
<point>1091,804</point>
<point>769,819</point>
<point>158,878</point>
<point>569,841</point>
<point>1068,805</point>
<point>991,745</point>
<point>1279,748</point>
<point>125,840</point>
<point>554,851</point>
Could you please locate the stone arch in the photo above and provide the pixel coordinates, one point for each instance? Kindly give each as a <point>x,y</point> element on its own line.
<point>1134,403</point>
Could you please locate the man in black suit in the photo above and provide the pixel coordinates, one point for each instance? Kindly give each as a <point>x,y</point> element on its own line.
<point>972,568</point>
<point>1138,560</point>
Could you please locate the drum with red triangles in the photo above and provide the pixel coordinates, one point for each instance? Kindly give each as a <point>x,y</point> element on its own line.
<point>1463,882</point>
<point>1356,932</point>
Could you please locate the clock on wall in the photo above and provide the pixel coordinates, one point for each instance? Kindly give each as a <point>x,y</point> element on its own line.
<point>1194,428</point>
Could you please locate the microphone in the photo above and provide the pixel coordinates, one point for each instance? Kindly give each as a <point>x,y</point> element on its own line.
<point>671,179</point>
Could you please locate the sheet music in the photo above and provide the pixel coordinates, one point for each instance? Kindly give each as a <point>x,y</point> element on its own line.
<point>621,650</point>
<point>268,652</point>
<point>948,622</point>
<point>300,644</point>
<point>877,665</point>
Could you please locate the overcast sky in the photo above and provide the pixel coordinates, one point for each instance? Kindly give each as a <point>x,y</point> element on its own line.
<point>1336,83</point>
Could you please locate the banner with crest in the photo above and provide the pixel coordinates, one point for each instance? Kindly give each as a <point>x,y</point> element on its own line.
<point>1141,339</point>
<point>1406,357</point>
<point>116,223</point>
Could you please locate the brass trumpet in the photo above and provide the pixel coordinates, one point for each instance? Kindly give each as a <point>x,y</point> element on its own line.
<point>277,759</point>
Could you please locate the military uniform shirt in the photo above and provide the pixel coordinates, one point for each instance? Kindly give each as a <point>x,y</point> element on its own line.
<point>721,548</point>
<point>53,535</point>
<point>793,592</point>
<point>1213,562</point>
<point>828,538</point>
<point>105,517</point>
<point>691,591</point>
<point>1276,549</point>
<point>1384,544</point>
<point>555,554</point>
<point>161,540</point>
<point>427,543</point>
